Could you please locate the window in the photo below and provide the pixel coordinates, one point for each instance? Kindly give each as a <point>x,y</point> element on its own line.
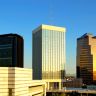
<point>10,91</point>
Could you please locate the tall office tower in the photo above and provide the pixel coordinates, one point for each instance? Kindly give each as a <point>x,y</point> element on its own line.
<point>48,52</point>
<point>11,50</point>
<point>86,58</point>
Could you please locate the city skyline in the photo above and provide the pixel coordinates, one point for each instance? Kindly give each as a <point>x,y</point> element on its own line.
<point>21,17</point>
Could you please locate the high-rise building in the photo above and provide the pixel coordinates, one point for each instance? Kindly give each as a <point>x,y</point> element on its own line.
<point>48,52</point>
<point>11,50</point>
<point>86,58</point>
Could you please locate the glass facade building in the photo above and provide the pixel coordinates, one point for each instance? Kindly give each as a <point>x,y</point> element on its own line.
<point>11,50</point>
<point>48,52</point>
<point>86,58</point>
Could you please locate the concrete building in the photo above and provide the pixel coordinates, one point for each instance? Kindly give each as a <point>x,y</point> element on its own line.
<point>11,50</point>
<point>18,82</point>
<point>49,54</point>
<point>86,58</point>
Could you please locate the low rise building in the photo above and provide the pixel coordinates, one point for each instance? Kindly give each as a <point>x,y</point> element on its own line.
<point>18,82</point>
<point>65,83</point>
<point>72,82</point>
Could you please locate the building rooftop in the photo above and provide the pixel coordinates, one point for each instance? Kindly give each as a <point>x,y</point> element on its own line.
<point>50,27</point>
<point>86,35</point>
<point>10,34</point>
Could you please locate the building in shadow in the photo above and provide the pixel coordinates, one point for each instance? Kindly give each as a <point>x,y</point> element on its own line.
<point>11,50</point>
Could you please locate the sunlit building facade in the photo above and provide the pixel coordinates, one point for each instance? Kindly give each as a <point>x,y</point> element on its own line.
<point>86,58</point>
<point>48,52</point>
<point>18,82</point>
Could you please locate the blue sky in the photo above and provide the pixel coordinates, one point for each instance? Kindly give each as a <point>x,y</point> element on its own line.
<point>22,16</point>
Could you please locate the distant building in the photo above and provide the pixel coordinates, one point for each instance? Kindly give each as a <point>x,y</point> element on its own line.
<point>11,50</point>
<point>86,58</point>
<point>72,82</point>
<point>48,52</point>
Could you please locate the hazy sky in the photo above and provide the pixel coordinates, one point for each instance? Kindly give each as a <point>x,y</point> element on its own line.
<point>22,16</point>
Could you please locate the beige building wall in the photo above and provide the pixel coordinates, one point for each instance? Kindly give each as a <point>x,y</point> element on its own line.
<point>18,82</point>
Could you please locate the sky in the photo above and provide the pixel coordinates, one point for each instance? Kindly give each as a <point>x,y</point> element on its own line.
<point>22,16</point>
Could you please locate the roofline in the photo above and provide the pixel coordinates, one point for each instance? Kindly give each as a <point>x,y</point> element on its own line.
<point>86,34</point>
<point>10,34</point>
<point>49,27</point>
